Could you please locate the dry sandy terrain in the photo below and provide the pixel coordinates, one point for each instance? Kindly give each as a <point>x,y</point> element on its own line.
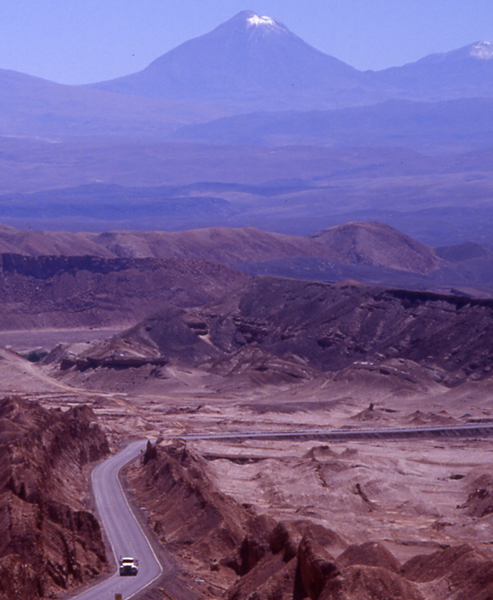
<point>413,496</point>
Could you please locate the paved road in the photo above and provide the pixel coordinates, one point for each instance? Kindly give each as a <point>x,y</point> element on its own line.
<point>127,537</point>
<point>123,530</point>
<point>471,430</point>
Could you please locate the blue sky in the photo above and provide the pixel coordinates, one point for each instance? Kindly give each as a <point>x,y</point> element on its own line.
<point>82,41</point>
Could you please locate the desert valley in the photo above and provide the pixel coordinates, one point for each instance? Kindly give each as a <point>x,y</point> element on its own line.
<point>164,347</point>
<point>284,293</point>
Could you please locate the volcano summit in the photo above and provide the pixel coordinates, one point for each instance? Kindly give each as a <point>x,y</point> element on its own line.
<point>250,62</point>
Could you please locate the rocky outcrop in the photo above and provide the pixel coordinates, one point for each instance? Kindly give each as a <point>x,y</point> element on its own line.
<point>462,570</point>
<point>49,540</point>
<point>240,555</point>
<point>315,575</point>
<point>115,353</point>
<point>370,583</point>
<point>315,568</point>
<point>296,329</point>
<point>188,513</point>
<point>479,502</point>
<point>371,554</point>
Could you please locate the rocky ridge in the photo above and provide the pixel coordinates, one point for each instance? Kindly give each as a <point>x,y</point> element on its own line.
<point>369,252</point>
<point>62,279</point>
<point>372,244</point>
<point>50,541</point>
<point>294,330</point>
<point>240,554</point>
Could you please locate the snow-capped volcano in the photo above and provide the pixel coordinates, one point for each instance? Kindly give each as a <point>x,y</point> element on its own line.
<point>255,25</point>
<point>251,62</point>
<point>263,26</point>
<point>256,21</point>
<point>478,51</point>
<point>482,50</point>
<point>255,63</point>
<point>463,73</point>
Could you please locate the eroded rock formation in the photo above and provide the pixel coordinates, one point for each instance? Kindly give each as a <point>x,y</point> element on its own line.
<point>49,541</point>
<point>287,330</point>
<point>245,555</point>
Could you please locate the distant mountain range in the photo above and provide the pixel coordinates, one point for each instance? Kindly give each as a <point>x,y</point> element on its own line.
<point>446,126</point>
<point>255,63</point>
<point>33,107</point>
<point>463,73</point>
<point>373,253</point>
<point>96,186</point>
<point>248,64</point>
<point>187,142</point>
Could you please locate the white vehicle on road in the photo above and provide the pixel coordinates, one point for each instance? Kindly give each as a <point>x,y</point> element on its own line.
<point>129,566</point>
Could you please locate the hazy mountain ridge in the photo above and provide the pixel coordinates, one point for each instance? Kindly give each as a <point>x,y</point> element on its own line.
<point>215,244</point>
<point>34,107</point>
<point>439,200</point>
<point>254,63</point>
<point>462,73</point>
<point>246,64</point>
<point>447,126</point>
<point>373,244</point>
<point>65,279</point>
<point>94,137</point>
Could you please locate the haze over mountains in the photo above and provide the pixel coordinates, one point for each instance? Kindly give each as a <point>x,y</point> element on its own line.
<point>297,190</point>
<point>248,125</point>
<point>462,73</point>
<point>77,280</point>
<point>437,127</point>
<point>250,63</point>
<point>255,63</point>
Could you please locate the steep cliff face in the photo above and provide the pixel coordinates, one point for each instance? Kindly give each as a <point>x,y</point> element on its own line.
<point>49,542</point>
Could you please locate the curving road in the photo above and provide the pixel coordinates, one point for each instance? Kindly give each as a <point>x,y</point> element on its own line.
<point>123,530</point>
<point>127,537</point>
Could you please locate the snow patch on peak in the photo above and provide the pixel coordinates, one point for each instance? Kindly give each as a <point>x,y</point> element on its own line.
<point>482,50</point>
<point>256,21</point>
